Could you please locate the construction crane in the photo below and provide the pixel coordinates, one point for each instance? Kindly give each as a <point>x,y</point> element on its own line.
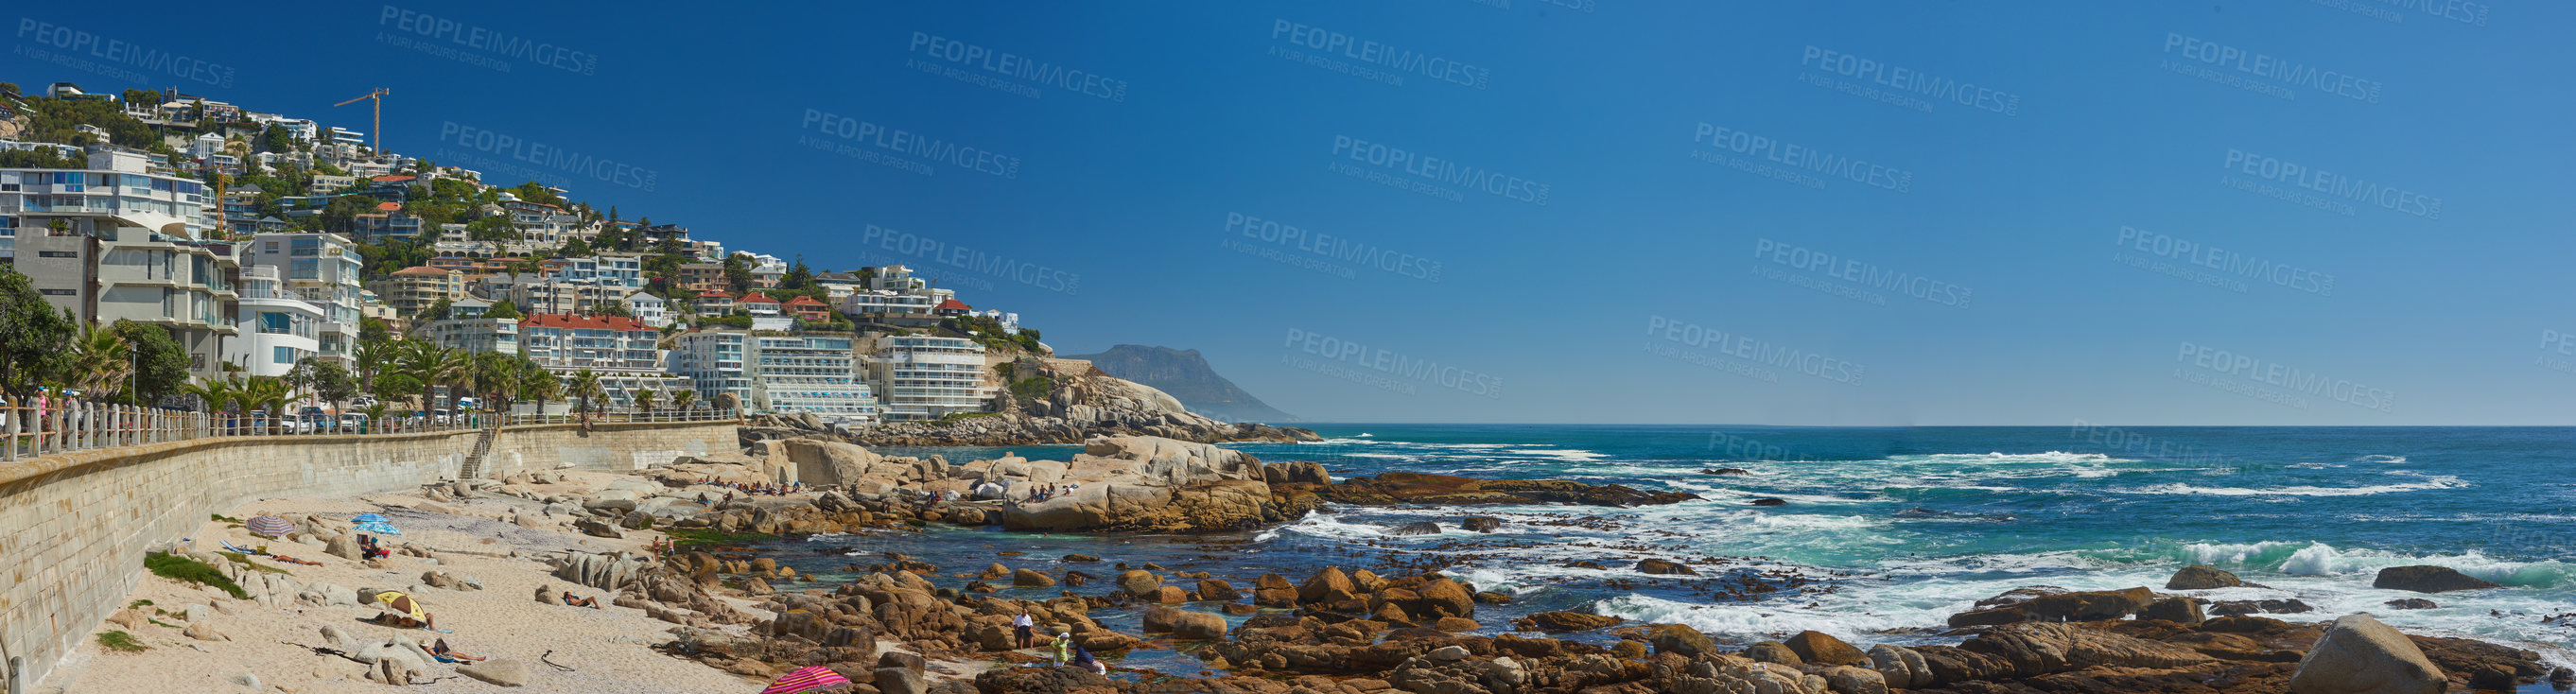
<point>377,132</point>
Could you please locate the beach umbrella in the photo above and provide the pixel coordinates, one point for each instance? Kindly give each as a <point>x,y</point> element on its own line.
<point>369,518</point>
<point>378,527</point>
<point>815,678</point>
<point>270,526</point>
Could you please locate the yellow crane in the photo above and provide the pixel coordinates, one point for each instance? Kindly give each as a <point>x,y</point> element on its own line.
<point>376,133</point>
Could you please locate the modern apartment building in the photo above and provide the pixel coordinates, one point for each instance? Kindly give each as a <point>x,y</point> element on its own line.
<point>927,377</point>
<point>414,289</point>
<point>712,360</point>
<point>278,328</point>
<point>809,373</point>
<point>702,277</point>
<point>325,270</point>
<point>475,334</point>
<point>118,191</point>
<point>650,309</point>
<point>621,350</point>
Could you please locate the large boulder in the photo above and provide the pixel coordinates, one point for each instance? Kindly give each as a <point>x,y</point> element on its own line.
<point>1184,623</point>
<point>1327,586</point>
<point>2206,578</point>
<point>1139,583</point>
<point>1682,639</point>
<point>601,571</point>
<point>1561,621</point>
<point>2359,655</point>
<point>2428,579</point>
<point>1823,649</point>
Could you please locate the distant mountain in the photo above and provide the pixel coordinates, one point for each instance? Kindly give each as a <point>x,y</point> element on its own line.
<point>1186,376</point>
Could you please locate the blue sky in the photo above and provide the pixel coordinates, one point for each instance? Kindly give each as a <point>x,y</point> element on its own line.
<point>1970,182</point>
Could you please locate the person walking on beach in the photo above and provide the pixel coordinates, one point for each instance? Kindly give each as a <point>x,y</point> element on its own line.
<point>1021,627</point>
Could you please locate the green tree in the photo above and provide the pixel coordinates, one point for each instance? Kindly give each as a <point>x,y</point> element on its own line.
<point>266,393</point>
<point>503,309</point>
<point>585,384</point>
<point>341,216</point>
<point>33,335</point>
<point>575,248</point>
<point>612,307</point>
<point>373,329</point>
<point>799,278</point>
<point>684,400</point>
<point>276,139</point>
<point>160,365</point>
<point>326,379</point>
<point>737,271</point>
<point>436,311</point>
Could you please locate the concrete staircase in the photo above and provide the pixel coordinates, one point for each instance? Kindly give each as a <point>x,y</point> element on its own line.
<point>473,467</point>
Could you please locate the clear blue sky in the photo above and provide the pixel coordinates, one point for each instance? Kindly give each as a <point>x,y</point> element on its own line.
<point>2121,114</point>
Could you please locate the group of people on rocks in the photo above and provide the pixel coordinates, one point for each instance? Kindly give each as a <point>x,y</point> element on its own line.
<point>1025,629</point>
<point>1050,491</point>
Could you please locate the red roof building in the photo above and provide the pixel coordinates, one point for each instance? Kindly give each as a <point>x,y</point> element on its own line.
<point>805,307</point>
<point>952,307</point>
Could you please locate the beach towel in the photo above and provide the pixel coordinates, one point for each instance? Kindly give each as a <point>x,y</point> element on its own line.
<point>243,550</point>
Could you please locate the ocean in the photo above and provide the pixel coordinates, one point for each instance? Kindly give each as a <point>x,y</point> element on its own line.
<point>1887,531</point>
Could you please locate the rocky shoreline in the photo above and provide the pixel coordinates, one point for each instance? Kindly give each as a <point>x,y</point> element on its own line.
<point>1331,631</point>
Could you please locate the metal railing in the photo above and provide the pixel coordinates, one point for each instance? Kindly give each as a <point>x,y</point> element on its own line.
<point>32,428</point>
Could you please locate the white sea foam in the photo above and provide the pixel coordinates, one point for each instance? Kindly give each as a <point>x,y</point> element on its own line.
<point>2382,459</point>
<point>1323,525</point>
<point>2429,482</point>
<point>1570,454</point>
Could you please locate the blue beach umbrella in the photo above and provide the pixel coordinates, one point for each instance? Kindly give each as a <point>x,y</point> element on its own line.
<point>379,528</point>
<point>370,518</point>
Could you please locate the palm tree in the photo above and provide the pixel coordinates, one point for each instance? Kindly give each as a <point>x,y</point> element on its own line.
<point>536,383</point>
<point>98,362</point>
<point>219,394</point>
<point>644,400</point>
<point>685,400</point>
<point>584,384</point>
<point>433,366</point>
<point>269,393</point>
<point>497,374</point>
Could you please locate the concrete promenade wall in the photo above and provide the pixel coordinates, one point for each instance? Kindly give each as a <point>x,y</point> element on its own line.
<point>74,527</point>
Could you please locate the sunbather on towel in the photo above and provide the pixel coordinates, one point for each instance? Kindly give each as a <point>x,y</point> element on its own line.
<point>448,655</point>
<point>592,603</point>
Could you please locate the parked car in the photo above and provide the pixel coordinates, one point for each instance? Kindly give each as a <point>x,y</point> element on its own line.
<point>439,417</point>
<point>353,422</point>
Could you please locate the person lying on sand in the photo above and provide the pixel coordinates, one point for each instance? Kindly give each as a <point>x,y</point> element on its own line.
<point>292,560</point>
<point>447,655</point>
<point>592,603</point>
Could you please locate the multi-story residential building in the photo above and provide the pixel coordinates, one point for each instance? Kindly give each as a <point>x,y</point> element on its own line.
<point>650,309</point>
<point>144,276</point>
<point>552,294</point>
<point>712,360</point>
<point>328,184</point>
<point>839,285</point>
<point>891,308</point>
<point>712,304</point>
<point>621,350</point>
<point>927,377</point>
<point>388,221</point>
<point>323,269</point>
<point>702,278</point>
<point>277,328</point>
<point>759,305</point>
<point>807,309</point>
<point>414,289</point>
<point>808,373</point>
<point>117,191</point>
<point>241,209</point>
<point>476,334</point>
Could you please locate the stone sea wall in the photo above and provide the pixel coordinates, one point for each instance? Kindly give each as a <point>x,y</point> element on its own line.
<point>74,527</point>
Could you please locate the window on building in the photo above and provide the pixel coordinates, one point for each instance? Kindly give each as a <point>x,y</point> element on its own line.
<point>282,355</point>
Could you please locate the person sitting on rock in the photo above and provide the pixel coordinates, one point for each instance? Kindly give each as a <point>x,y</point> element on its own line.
<point>568,599</point>
<point>1023,628</point>
<point>1082,659</point>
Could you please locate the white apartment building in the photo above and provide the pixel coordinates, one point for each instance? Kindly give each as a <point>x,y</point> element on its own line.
<point>712,360</point>
<point>927,377</point>
<point>650,309</point>
<point>118,190</point>
<point>475,334</point>
<point>323,269</point>
<point>621,350</point>
<point>809,373</point>
<point>278,329</point>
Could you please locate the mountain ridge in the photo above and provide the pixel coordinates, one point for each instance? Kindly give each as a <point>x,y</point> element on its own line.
<point>1186,376</point>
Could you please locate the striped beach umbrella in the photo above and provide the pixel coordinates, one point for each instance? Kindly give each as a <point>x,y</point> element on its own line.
<point>369,518</point>
<point>378,527</point>
<point>270,526</point>
<point>815,678</point>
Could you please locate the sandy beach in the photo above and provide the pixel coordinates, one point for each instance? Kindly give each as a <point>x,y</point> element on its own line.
<point>607,649</point>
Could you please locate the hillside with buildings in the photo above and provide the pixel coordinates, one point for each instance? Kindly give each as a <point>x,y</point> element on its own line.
<point>269,246</point>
